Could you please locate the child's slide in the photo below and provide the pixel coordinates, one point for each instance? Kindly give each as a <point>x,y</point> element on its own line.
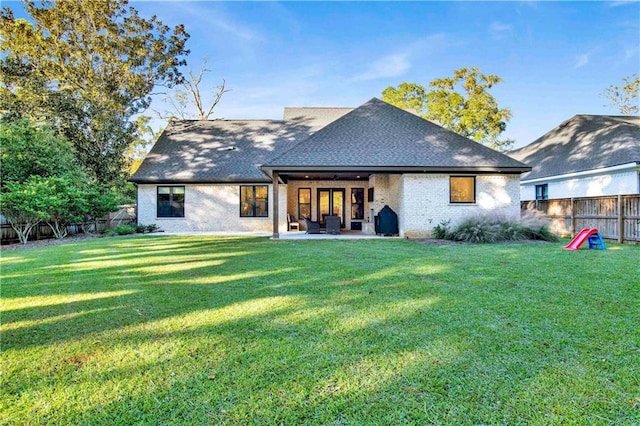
<point>579,239</point>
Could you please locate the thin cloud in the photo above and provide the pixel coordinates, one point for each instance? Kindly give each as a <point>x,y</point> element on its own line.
<point>203,13</point>
<point>499,29</point>
<point>621,3</point>
<point>581,60</point>
<point>393,65</point>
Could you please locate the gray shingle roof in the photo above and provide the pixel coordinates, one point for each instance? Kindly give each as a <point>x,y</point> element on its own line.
<point>217,150</point>
<point>227,150</point>
<point>378,135</point>
<point>584,142</point>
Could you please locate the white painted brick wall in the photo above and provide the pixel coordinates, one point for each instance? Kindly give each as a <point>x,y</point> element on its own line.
<point>209,208</point>
<point>421,201</point>
<point>425,201</point>
<point>387,191</point>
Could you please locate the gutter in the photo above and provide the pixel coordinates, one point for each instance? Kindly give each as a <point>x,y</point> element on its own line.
<point>395,169</point>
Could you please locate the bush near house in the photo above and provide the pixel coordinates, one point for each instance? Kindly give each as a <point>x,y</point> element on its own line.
<point>493,229</point>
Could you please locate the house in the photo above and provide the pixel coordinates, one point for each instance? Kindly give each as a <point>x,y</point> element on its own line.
<point>248,175</point>
<point>587,155</point>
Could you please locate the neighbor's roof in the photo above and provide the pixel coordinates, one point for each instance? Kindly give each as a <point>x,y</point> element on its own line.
<point>227,150</point>
<point>378,136</point>
<point>584,142</point>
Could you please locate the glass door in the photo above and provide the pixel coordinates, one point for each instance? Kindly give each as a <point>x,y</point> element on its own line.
<point>331,203</point>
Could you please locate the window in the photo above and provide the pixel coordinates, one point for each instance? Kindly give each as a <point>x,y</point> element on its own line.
<point>170,201</point>
<point>254,201</point>
<point>357,203</point>
<point>462,189</point>
<point>304,203</point>
<point>542,192</point>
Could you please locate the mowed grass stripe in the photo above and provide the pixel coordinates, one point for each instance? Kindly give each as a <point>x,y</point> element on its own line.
<point>213,330</point>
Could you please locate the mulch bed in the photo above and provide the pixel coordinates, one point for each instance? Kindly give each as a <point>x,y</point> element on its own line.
<point>48,242</point>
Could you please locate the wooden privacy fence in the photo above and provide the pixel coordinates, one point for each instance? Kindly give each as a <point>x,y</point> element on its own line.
<point>125,215</point>
<point>617,217</point>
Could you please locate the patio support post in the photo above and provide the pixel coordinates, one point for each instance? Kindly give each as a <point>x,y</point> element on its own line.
<point>276,205</point>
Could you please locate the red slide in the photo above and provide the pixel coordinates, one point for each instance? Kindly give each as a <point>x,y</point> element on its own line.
<point>580,238</point>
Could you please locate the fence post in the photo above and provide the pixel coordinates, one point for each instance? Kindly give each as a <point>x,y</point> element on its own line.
<point>620,220</point>
<point>572,229</point>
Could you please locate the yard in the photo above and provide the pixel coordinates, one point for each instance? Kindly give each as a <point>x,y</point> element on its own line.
<point>157,330</point>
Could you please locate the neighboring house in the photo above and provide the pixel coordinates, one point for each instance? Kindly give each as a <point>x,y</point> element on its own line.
<point>587,155</point>
<point>247,175</point>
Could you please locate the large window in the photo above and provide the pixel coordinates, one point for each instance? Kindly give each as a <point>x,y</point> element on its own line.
<point>304,203</point>
<point>170,201</point>
<point>542,192</point>
<point>357,203</point>
<point>254,201</point>
<point>462,189</point>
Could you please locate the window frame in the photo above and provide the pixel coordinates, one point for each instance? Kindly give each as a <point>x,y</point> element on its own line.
<point>360,204</point>
<point>253,202</point>
<point>171,201</point>
<point>300,216</point>
<point>474,201</point>
<point>544,191</point>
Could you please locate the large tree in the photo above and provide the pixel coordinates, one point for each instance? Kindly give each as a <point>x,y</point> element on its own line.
<point>626,96</point>
<point>461,103</point>
<point>42,181</point>
<point>88,66</point>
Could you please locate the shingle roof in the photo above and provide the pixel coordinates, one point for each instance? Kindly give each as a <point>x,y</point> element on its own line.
<point>379,135</point>
<point>584,142</point>
<point>217,150</point>
<point>227,150</point>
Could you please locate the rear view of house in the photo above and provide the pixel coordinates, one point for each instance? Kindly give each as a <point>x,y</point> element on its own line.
<point>586,156</point>
<point>249,175</point>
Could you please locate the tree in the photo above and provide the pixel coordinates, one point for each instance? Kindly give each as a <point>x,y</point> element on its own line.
<point>187,102</point>
<point>23,205</point>
<point>88,66</point>
<point>460,103</point>
<point>408,96</point>
<point>29,150</point>
<point>625,97</point>
<point>41,181</point>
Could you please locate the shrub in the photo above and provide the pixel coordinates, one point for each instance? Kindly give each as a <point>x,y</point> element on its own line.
<point>443,230</point>
<point>541,233</point>
<point>146,229</point>
<point>492,229</point>
<point>121,230</point>
<point>477,230</point>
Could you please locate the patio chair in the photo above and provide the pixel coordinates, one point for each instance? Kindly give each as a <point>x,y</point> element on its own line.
<point>333,224</point>
<point>312,227</point>
<point>292,224</point>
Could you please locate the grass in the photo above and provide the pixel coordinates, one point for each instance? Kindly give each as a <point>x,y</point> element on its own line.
<point>158,330</point>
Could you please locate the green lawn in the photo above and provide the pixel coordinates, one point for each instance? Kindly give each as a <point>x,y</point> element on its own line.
<point>158,330</point>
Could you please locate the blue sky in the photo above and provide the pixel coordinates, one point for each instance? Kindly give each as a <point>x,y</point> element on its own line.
<point>556,58</point>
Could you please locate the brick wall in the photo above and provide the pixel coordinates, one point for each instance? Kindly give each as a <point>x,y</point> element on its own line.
<point>209,208</point>
<point>425,201</point>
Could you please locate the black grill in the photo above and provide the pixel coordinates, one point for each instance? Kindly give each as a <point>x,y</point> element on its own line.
<point>386,222</point>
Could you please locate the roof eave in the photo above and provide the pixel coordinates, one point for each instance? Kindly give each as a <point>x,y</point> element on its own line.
<point>396,169</point>
<point>196,180</point>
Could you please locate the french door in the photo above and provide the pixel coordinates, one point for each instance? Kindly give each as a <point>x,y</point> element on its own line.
<point>331,203</point>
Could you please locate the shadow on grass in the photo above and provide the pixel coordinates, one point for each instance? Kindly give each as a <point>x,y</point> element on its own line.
<point>250,330</point>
